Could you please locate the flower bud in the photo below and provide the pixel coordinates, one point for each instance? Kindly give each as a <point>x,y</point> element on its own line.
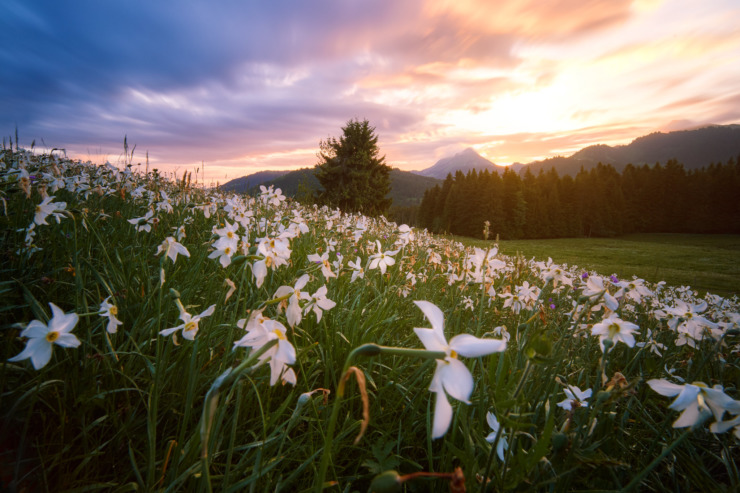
<point>386,482</point>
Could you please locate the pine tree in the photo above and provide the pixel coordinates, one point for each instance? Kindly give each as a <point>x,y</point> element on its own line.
<point>353,175</point>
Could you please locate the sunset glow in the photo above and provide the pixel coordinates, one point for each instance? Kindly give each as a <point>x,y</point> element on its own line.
<point>246,88</point>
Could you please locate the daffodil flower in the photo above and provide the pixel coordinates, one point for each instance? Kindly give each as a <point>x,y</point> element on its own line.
<point>189,324</point>
<point>696,400</point>
<point>319,302</point>
<point>261,330</point>
<point>495,425</point>
<point>172,248</point>
<point>325,265</point>
<point>41,337</point>
<point>382,260</point>
<point>224,252</point>
<point>615,329</point>
<point>294,312</point>
<point>145,222</point>
<point>357,270</point>
<point>451,377</point>
<point>47,208</point>
<point>110,311</point>
<point>575,398</point>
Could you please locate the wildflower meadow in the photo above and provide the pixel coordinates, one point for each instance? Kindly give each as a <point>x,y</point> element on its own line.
<point>159,335</point>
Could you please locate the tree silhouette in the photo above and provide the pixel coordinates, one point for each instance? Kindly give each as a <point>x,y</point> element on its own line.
<point>353,175</point>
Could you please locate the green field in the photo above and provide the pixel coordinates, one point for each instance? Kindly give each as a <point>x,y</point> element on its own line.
<point>707,263</point>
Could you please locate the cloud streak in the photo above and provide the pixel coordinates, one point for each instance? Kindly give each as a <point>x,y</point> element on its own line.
<point>256,85</point>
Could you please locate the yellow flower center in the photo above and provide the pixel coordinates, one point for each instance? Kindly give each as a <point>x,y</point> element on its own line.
<point>113,310</point>
<point>52,336</point>
<point>190,326</point>
<point>230,234</point>
<point>279,334</point>
<point>453,354</point>
<point>613,330</point>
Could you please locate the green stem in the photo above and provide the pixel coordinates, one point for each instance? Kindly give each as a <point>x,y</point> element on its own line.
<point>364,350</point>
<point>229,377</point>
<point>638,479</point>
<point>489,461</point>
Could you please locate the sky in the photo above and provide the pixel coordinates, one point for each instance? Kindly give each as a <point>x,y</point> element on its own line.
<point>233,87</point>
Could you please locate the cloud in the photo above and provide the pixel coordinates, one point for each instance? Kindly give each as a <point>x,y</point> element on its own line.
<point>242,85</point>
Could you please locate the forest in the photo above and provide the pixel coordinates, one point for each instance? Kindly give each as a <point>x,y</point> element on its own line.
<point>597,202</point>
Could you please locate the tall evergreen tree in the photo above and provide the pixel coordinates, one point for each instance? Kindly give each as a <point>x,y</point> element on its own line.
<point>353,175</point>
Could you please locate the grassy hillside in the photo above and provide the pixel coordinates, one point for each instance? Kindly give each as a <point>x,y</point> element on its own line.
<point>157,336</point>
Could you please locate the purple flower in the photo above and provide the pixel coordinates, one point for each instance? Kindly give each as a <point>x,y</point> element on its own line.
<point>584,276</point>
<point>614,278</point>
<point>552,306</point>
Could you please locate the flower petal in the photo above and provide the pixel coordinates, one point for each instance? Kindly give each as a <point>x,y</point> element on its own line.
<point>434,314</point>
<point>431,339</point>
<point>472,347</point>
<point>35,329</point>
<point>686,398</point>
<point>442,416</point>
<point>689,417</point>
<point>456,380</point>
<point>208,311</point>
<point>664,387</point>
<point>67,340</point>
<point>41,353</point>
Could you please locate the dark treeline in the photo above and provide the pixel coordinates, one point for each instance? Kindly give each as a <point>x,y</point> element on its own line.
<point>598,202</point>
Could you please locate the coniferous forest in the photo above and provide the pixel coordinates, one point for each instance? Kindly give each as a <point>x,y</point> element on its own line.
<point>664,198</point>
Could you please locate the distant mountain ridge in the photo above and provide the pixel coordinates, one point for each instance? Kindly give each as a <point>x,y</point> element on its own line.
<point>464,161</point>
<point>693,148</point>
<point>407,189</point>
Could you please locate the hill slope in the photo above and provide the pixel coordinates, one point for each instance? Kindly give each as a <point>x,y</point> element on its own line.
<point>692,148</point>
<point>406,188</point>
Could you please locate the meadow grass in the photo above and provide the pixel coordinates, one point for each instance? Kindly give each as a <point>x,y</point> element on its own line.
<point>250,395</point>
<point>707,263</point>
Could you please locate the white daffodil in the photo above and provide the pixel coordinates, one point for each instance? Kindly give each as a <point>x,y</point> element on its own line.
<point>189,324</point>
<point>319,302</point>
<point>575,398</point>
<point>451,377</point>
<point>294,312</point>
<point>41,337</point>
<point>145,222</point>
<point>382,260</point>
<point>228,232</point>
<point>325,265</point>
<point>615,329</point>
<point>110,311</point>
<point>224,252</point>
<point>261,330</point>
<point>47,208</point>
<point>696,400</point>
<point>495,425</point>
<point>357,270</point>
<point>172,248</point>
<point>595,288</point>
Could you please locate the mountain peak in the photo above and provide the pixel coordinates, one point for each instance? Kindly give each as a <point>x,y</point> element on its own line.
<point>465,161</point>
